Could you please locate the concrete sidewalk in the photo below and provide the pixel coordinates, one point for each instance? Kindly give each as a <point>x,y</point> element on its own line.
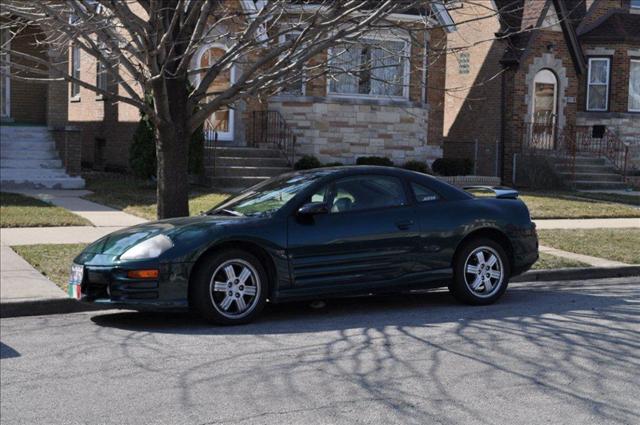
<point>98,215</point>
<point>53,235</point>
<point>587,223</point>
<point>21,282</point>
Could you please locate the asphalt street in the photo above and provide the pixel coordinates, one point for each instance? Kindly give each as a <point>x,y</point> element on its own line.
<point>553,352</point>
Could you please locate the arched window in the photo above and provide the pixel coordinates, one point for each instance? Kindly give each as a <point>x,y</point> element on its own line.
<point>221,121</point>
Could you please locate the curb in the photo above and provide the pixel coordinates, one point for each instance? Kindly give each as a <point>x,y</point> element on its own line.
<point>583,273</point>
<point>39,307</point>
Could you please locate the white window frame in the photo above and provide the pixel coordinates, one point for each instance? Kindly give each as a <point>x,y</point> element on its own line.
<point>223,136</point>
<point>406,70</point>
<point>76,53</point>
<point>637,60</point>
<point>607,84</point>
<point>281,40</point>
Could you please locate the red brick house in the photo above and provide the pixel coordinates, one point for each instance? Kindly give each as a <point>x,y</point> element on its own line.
<point>561,77</point>
<point>336,119</point>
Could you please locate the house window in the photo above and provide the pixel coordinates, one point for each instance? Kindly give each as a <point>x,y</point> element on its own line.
<point>463,63</point>
<point>598,84</point>
<point>376,68</point>
<point>101,75</point>
<point>635,4</point>
<point>297,86</point>
<point>75,71</point>
<point>634,85</point>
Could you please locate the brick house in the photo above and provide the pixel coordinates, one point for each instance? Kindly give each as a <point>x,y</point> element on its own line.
<point>556,76</point>
<point>337,119</point>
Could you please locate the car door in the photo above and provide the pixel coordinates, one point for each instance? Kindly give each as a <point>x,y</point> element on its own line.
<point>368,238</point>
<point>437,219</point>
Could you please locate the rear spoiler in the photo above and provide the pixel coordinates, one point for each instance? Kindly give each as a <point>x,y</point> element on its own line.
<point>500,192</point>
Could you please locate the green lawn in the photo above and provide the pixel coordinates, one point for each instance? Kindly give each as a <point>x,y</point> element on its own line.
<point>138,197</point>
<point>613,244</point>
<point>574,205</point>
<point>53,261</point>
<point>611,197</point>
<point>23,211</point>
<point>548,261</point>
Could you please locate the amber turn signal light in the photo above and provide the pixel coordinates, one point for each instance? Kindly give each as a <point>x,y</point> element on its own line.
<point>143,274</point>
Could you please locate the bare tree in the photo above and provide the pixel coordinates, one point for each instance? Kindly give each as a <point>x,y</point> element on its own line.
<point>148,47</point>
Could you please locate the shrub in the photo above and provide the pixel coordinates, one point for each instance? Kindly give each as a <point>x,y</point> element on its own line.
<point>374,160</point>
<point>307,162</point>
<point>419,166</point>
<point>333,164</point>
<point>142,152</point>
<point>196,152</point>
<point>452,166</point>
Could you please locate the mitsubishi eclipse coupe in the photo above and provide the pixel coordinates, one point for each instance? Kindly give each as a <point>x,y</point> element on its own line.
<point>305,235</point>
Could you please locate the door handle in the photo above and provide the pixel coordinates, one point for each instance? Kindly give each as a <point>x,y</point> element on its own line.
<point>404,224</point>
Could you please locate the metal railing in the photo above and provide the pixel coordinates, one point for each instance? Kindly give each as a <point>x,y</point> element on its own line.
<point>568,142</point>
<point>609,146</point>
<point>270,129</point>
<point>210,131</point>
<point>549,139</point>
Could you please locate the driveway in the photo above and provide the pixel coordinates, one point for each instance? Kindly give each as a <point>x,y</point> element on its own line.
<point>558,352</point>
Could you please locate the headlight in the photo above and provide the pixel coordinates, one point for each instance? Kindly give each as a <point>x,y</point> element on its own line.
<point>150,248</point>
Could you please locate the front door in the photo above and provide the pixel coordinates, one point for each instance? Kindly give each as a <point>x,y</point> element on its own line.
<point>544,109</point>
<point>369,238</point>
<point>5,81</point>
<point>220,122</point>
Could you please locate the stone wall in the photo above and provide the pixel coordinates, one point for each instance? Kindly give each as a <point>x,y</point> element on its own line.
<point>343,129</point>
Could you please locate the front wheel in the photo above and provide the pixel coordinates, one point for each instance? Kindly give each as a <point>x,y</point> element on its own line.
<point>480,272</point>
<point>229,288</point>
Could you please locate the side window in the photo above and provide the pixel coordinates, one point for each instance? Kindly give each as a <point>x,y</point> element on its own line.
<point>367,192</point>
<point>423,194</point>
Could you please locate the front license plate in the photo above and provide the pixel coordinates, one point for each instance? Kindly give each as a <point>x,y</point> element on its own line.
<point>75,281</point>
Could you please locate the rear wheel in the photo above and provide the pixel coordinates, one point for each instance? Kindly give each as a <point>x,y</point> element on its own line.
<point>480,272</point>
<point>229,288</point>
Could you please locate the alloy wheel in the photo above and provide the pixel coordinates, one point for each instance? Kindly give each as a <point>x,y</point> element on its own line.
<point>483,271</point>
<point>235,288</point>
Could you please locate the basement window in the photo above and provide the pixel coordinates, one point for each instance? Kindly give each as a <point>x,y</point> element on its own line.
<point>463,63</point>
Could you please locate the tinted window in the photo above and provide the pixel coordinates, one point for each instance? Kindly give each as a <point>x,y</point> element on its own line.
<point>359,193</point>
<point>422,193</point>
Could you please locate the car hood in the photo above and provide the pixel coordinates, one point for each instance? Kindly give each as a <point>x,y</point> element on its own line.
<point>178,229</point>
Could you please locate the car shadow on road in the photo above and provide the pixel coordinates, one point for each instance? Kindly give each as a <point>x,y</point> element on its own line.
<point>413,309</point>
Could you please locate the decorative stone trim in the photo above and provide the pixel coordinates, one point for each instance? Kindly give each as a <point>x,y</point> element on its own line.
<point>600,51</point>
<point>345,100</point>
<point>633,52</point>
<point>548,61</point>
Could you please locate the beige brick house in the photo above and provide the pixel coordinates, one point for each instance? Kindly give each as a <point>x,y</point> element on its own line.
<point>547,75</point>
<point>335,119</point>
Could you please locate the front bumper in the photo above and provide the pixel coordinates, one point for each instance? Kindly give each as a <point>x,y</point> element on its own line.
<point>110,285</point>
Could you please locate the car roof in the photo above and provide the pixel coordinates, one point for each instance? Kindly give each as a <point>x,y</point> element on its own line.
<point>444,189</point>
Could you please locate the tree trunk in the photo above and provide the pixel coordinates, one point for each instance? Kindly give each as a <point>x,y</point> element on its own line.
<point>172,151</point>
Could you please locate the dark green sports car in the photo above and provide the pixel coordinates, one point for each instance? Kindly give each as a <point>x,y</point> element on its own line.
<point>320,233</point>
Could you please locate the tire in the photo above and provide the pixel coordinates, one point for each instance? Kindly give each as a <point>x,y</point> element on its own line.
<point>229,296</point>
<point>475,277</point>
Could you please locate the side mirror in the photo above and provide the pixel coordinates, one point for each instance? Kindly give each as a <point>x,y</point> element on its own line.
<point>313,208</point>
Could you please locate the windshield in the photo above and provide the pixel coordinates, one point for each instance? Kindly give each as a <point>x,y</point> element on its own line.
<point>266,198</point>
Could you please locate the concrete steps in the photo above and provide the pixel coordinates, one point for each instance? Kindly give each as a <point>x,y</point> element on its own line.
<point>590,173</point>
<point>28,159</point>
<point>237,168</point>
